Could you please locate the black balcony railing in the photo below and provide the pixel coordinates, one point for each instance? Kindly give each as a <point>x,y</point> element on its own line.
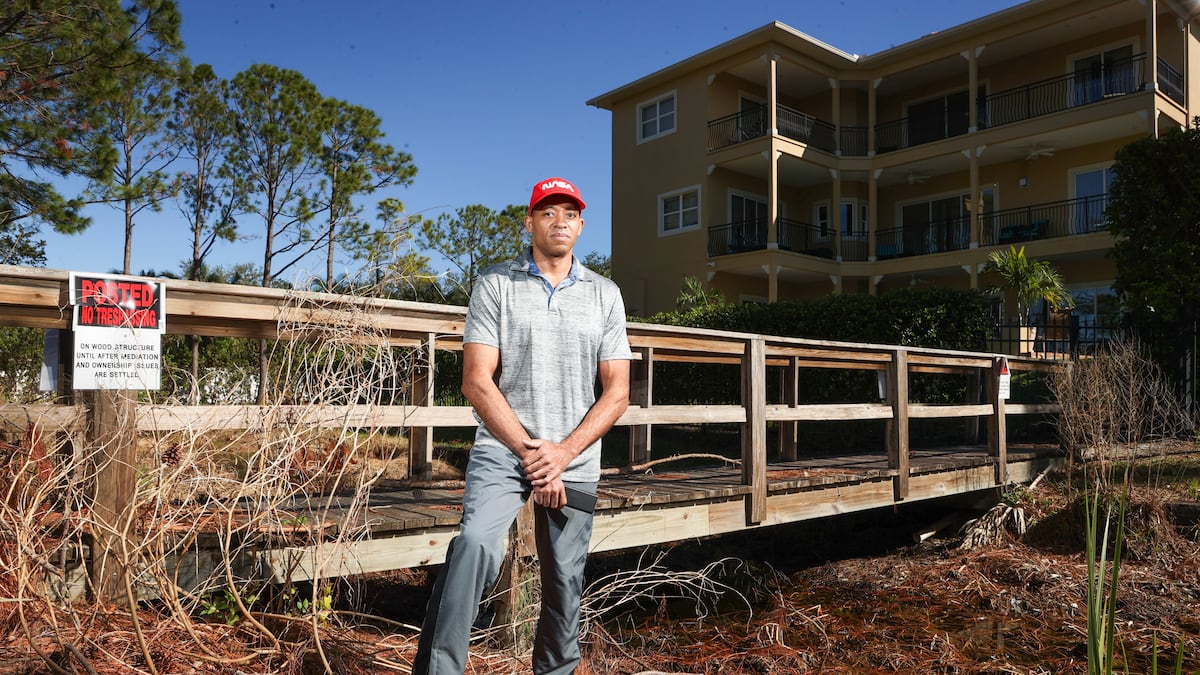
<point>1010,226</point>
<point>854,246</point>
<point>805,128</point>
<point>737,128</point>
<point>750,124</point>
<point>854,141</point>
<point>737,237</point>
<point>751,235</point>
<point>1063,93</point>
<point>1044,221</point>
<point>950,234</point>
<point>1012,105</point>
<point>1170,81</point>
<point>800,237</point>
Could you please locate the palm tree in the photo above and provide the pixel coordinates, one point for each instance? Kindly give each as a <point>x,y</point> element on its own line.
<point>1030,280</point>
<point>694,294</point>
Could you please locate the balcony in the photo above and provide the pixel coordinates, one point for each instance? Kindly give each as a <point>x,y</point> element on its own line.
<point>1045,221</point>
<point>1063,93</point>
<point>751,235</point>
<point>951,234</point>
<point>1170,81</point>
<point>999,228</point>
<point>1006,107</point>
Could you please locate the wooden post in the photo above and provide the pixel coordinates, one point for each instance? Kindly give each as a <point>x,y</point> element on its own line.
<point>420,444</point>
<point>754,431</point>
<point>112,447</point>
<point>974,396</point>
<point>897,441</point>
<point>789,430</point>
<point>641,393</point>
<point>997,426</point>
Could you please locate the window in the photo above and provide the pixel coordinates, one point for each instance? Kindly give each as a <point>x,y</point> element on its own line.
<point>656,118</point>
<point>678,211</point>
<point>941,117</point>
<point>1091,199</point>
<point>752,118</point>
<point>853,218</point>
<point>1108,73</point>
<point>747,222</point>
<point>940,224</point>
<point>821,219</point>
<point>1099,314</point>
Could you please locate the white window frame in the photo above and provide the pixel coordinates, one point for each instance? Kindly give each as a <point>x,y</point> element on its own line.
<point>1100,50</point>
<point>731,193</point>
<point>818,223</point>
<point>662,230</point>
<point>858,213</point>
<point>655,102</point>
<point>1072,182</point>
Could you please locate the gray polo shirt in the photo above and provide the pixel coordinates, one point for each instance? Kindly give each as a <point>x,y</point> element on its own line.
<point>550,346</point>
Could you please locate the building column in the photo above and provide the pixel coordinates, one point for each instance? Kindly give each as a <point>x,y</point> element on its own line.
<point>835,213</point>
<point>872,216</point>
<point>975,201</point>
<point>871,103</point>
<point>837,116</point>
<point>972,57</point>
<point>1152,61</point>
<point>773,154</point>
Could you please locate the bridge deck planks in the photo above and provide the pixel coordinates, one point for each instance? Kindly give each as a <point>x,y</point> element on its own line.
<point>395,511</point>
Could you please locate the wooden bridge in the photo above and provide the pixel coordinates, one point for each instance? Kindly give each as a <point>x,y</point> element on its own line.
<point>774,480</point>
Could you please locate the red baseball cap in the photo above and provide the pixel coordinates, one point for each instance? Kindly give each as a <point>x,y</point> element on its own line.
<point>551,187</point>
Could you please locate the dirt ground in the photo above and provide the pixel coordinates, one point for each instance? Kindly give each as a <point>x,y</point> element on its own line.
<point>851,594</point>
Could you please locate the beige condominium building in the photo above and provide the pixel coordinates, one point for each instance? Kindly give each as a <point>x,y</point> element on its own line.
<point>777,167</point>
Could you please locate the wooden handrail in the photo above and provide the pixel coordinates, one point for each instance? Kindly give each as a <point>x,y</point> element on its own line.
<point>38,298</point>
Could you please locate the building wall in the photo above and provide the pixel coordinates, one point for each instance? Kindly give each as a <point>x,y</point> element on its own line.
<point>650,265</point>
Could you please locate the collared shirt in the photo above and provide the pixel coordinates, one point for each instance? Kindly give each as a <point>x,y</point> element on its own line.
<point>551,344</point>
<point>572,276</point>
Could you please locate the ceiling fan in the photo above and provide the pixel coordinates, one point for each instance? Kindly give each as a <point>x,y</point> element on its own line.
<point>916,178</point>
<point>1035,152</point>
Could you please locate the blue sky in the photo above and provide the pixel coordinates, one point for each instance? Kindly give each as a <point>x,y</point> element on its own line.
<point>488,97</point>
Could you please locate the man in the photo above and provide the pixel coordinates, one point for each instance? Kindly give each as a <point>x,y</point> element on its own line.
<point>540,330</point>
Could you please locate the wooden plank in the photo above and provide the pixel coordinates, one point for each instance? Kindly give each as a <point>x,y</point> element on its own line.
<point>997,424</point>
<point>641,394</point>
<point>788,429</point>
<point>1032,408</point>
<point>947,483</point>
<point>754,431</point>
<point>829,411</point>
<point>952,363</point>
<point>897,441</point>
<point>51,418</point>
<point>672,344</point>
<point>349,558</point>
<point>946,411</point>
<point>420,445</point>
<point>212,417</point>
<point>647,526</point>
<point>844,355</point>
<point>683,414</point>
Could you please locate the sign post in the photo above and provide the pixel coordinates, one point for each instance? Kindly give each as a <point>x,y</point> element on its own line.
<point>118,323</point>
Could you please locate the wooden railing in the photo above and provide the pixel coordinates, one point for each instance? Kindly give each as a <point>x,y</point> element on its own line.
<point>104,427</point>
<point>38,298</point>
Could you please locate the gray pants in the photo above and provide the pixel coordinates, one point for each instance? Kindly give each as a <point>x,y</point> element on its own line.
<point>495,492</point>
